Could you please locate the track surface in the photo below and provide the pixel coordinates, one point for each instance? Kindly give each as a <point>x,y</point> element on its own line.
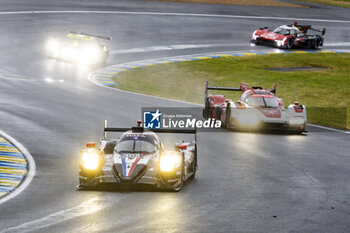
<point>246,182</point>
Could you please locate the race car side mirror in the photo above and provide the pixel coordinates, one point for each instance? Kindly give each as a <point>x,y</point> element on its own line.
<point>90,145</point>
<point>323,31</point>
<point>181,147</point>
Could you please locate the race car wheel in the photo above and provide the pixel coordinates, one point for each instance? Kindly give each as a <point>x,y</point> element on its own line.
<point>290,43</point>
<point>178,186</point>
<point>194,167</point>
<point>316,44</point>
<point>228,117</point>
<point>87,183</point>
<point>206,110</point>
<point>194,173</point>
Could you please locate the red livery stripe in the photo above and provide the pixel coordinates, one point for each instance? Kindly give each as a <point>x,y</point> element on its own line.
<point>133,165</point>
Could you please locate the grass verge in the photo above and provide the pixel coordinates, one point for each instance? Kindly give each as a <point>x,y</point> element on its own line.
<point>325,92</point>
<point>341,3</point>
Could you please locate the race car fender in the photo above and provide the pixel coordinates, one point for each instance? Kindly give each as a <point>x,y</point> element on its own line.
<point>296,114</point>
<point>171,177</point>
<point>213,106</point>
<point>233,112</point>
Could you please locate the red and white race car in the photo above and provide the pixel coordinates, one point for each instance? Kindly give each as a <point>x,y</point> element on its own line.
<point>289,36</point>
<point>257,108</point>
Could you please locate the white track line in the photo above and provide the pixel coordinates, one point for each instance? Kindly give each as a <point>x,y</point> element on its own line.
<point>332,129</point>
<point>88,207</point>
<point>337,44</point>
<point>174,14</point>
<point>31,168</point>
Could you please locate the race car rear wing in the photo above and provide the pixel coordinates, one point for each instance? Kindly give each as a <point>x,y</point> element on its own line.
<point>140,129</point>
<point>90,35</point>
<point>305,28</point>
<point>243,87</point>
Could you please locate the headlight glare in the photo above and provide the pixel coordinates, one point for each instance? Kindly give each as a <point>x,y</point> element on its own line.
<point>170,161</point>
<point>90,160</point>
<point>52,45</point>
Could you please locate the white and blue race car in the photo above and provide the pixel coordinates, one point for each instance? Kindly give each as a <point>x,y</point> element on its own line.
<point>138,157</point>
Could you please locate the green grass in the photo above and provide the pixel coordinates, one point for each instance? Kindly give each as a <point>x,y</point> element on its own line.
<point>323,91</point>
<point>341,3</point>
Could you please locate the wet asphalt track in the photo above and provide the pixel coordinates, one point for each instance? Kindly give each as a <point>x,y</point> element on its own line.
<point>246,182</point>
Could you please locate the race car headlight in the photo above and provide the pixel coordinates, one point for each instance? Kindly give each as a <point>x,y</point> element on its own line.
<point>296,121</point>
<point>52,45</point>
<point>254,36</point>
<point>90,160</point>
<point>279,43</point>
<point>68,53</point>
<point>89,54</point>
<point>92,51</point>
<point>169,161</point>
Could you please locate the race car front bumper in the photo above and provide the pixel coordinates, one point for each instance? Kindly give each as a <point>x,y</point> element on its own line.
<point>149,177</point>
<point>107,176</point>
<point>266,125</point>
<point>259,41</point>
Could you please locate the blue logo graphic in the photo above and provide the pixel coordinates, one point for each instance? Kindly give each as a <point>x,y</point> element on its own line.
<point>152,120</point>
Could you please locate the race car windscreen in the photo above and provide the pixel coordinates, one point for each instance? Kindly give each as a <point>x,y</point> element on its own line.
<point>135,146</point>
<point>267,102</point>
<point>285,31</point>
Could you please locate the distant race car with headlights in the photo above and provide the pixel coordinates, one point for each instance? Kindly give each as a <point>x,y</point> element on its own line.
<point>289,36</point>
<point>138,157</point>
<point>257,108</point>
<point>78,47</point>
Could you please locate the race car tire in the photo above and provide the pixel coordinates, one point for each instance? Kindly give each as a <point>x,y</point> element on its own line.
<point>193,174</point>
<point>254,42</point>
<point>316,44</point>
<point>290,43</point>
<point>228,117</point>
<point>177,187</point>
<point>194,167</point>
<point>87,184</point>
<point>206,110</point>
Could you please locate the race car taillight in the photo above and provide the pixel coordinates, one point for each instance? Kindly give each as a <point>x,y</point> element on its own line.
<point>90,145</point>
